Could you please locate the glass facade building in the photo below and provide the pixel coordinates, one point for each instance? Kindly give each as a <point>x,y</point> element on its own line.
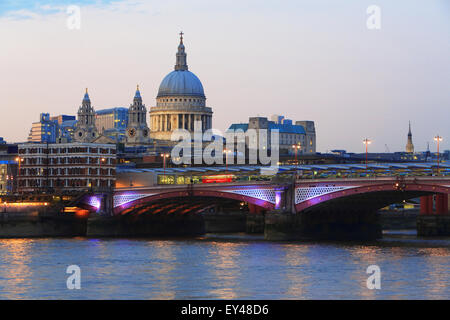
<point>112,122</point>
<point>50,129</point>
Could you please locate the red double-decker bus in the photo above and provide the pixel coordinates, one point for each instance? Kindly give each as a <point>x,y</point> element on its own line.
<point>218,178</point>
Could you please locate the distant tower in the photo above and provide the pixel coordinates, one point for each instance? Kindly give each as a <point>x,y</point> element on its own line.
<point>137,129</point>
<point>85,130</point>
<point>409,144</point>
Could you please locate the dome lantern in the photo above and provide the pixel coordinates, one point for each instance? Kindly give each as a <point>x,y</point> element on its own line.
<point>181,63</point>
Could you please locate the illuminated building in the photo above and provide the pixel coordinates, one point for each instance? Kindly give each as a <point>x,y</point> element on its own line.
<point>52,129</point>
<point>301,133</point>
<point>113,118</point>
<point>62,118</point>
<point>45,130</point>
<point>65,131</point>
<point>180,101</point>
<point>8,168</point>
<point>66,166</point>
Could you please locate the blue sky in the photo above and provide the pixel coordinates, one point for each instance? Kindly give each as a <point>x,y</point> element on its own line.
<point>305,59</point>
<point>7,6</point>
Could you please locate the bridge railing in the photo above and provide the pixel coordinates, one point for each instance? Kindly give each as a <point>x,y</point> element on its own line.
<point>379,179</point>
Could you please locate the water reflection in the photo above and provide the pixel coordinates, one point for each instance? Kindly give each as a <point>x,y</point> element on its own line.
<point>438,272</point>
<point>296,262</point>
<point>223,268</point>
<point>163,262</point>
<point>15,272</point>
<point>223,263</point>
<point>363,257</point>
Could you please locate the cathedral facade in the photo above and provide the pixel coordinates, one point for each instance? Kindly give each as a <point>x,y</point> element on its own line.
<point>180,102</point>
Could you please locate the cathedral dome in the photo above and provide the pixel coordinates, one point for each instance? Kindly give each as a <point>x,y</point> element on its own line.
<point>181,83</point>
<point>180,103</point>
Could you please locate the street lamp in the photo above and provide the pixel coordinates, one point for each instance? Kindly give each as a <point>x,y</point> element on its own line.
<point>19,161</point>
<point>438,139</point>
<point>296,147</point>
<point>164,156</point>
<point>226,152</point>
<point>102,161</point>
<point>367,142</point>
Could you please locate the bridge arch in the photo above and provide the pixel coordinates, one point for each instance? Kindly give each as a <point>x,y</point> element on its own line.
<point>374,196</point>
<point>208,196</point>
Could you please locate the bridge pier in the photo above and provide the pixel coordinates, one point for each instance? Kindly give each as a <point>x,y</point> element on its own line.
<point>434,224</point>
<point>323,225</point>
<point>145,225</point>
<point>441,203</point>
<point>426,205</point>
<point>255,223</point>
<point>225,222</point>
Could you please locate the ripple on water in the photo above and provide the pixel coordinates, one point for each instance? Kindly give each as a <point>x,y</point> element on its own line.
<point>225,267</point>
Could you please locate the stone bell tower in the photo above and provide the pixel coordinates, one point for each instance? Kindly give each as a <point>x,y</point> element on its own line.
<point>137,130</point>
<point>85,130</point>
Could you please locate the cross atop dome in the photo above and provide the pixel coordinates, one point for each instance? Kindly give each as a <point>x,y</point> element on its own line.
<point>181,64</point>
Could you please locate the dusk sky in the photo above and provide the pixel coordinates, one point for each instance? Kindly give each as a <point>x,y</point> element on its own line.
<point>305,59</point>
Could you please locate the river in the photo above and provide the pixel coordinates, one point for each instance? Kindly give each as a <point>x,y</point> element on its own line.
<point>232,266</point>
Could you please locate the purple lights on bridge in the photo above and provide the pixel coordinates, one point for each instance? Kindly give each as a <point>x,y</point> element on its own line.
<point>94,201</point>
<point>296,197</point>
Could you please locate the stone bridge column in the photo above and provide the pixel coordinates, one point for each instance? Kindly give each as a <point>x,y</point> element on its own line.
<point>441,203</point>
<point>106,203</point>
<point>283,223</point>
<point>426,205</point>
<point>431,223</point>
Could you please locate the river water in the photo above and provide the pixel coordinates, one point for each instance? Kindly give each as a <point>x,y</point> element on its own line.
<point>233,266</point>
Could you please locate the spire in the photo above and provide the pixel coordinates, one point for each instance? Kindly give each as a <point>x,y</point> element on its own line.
<point>409,144</point>
<point>86,96</point>
<point>138,93</point>
<point>181,64</point>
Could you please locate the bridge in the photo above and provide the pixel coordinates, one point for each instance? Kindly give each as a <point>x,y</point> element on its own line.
<point>293,208</point>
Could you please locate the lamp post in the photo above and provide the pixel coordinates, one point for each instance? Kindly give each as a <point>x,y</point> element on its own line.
<point>296,147</point>
<point>19,161</point>
<point>367,142</point>
<point>164,156</point>
<point>438,139</point>
<point>102,161</point>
